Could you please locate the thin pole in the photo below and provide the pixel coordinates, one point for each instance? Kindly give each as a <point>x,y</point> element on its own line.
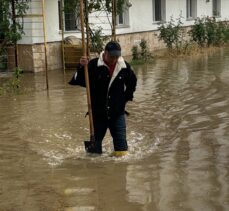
<point>86,71</point>
<point>15,44</point>
<point>87,28</point>
<point>114,20</point>
<point>45,43</point>
<point>62,29</point>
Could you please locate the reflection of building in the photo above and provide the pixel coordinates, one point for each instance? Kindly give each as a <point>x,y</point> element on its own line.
<point>139,19</point>
<point>139,191</point>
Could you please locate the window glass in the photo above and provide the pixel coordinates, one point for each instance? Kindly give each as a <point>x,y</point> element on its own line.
<point>191,9</point>
<point>158,10</point>
<point>71,17</point>
<point>216,4</point>
<point>123,18</point>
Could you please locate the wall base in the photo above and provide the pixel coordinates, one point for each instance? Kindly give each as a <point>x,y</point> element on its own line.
<point>31,58</point>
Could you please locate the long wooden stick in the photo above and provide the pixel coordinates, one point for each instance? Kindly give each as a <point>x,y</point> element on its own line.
<point>15,44</point>
<point>87,28</point>
<point>86,70</point>
<point>114,20</point>
<point>45,43</point>
<point>62,33</point>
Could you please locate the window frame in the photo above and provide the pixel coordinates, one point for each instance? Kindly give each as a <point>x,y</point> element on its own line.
<point>162,12</point>
<point>191,9</point>
<point>74,22</point>
<point>216,12</point>
<point>125,16</point>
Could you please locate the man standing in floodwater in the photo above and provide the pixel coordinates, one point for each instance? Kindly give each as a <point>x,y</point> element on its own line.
<point>112,85</point>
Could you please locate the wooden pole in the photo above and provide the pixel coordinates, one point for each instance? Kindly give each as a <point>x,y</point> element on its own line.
<point>86,72</point>
<point>62,33</point>
<point>45,43</point>
<point>15,44</point>
<point>87,28</point>
<point>114,20</point>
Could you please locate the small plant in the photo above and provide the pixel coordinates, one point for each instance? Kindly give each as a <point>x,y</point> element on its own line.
<point>143,49</point>
<point>12,86</point>
<point>145,55</point>
<point>135,53</point>
<point>142,56</point>
<point>3,59</point>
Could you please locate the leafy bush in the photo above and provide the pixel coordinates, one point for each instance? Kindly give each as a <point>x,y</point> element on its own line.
<point>3,58</point>
<point>135,53</point>
<point>198,32</point>
<point>172,34</point>
<point>141,56</point>
<point>13,86</point>
<point>208,32</point>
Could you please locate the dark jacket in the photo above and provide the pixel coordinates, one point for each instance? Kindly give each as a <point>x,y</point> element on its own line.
<point>108,94</point>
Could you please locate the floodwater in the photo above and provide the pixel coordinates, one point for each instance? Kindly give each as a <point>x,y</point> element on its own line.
<point>178,133</point>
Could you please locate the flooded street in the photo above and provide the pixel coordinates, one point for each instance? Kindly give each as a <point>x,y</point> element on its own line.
<point>178,135</point>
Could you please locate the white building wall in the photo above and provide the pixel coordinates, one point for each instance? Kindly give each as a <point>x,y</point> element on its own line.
<point>204,8</point>
<point>175,9</point>
<point>141,17</point>
<point>140,13</point>
<point>27,28</point>
<point>225,9</point>
<point>52,21</point>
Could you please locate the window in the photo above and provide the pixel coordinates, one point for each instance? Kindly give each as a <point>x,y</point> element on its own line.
<point>216,5</point>
<point>71,17</point>
<point>191,9</point>
<point>158,10</point>
<point>123,18</point>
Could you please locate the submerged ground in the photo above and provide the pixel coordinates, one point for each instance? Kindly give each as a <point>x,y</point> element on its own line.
<point>178,134</point>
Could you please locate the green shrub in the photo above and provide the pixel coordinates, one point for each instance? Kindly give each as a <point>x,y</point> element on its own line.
<point>213,34</point>
<point>12,86</point>
<point>172,34</point>
<point>198,32</point>
<point>135,53</point>
<point>208,32</point>
<point>142,56</point>
<point>3,58</point>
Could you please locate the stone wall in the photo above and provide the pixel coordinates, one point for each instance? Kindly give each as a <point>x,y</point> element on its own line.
<point>127,41</point>
<point>25,57</point>
<point>31,58</point>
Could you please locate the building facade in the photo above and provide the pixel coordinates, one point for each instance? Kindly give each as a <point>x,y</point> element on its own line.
<point>140,20</point>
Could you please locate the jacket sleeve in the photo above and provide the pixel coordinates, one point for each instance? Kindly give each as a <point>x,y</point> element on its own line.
<point>131,82</point>
<point>78,78</point>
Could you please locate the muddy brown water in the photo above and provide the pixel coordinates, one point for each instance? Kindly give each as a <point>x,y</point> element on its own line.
<point>178,134</point>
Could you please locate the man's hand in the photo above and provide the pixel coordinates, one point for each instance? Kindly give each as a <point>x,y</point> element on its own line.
<point>84,60</point>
